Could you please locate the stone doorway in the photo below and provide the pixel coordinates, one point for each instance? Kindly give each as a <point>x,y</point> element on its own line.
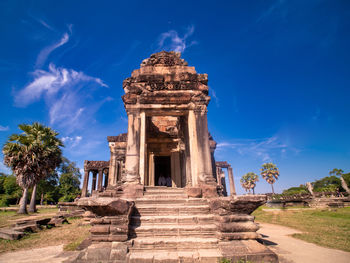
<point>162,166</point>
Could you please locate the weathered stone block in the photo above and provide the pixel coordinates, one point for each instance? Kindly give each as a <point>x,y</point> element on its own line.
<point>100,229</point>
<point>238,227</point>
<point>209,191</point>
<point>194,192</point>
<point>119,229</point>
<point>238,236</point>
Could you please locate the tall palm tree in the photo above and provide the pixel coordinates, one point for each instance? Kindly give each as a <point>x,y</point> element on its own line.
<point>32,155</point>
<point>339,172</point>
<point>248,181</point>
<point>270,173</point>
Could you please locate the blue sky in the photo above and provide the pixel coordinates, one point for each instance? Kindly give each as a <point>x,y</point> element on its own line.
<point>279,75</point>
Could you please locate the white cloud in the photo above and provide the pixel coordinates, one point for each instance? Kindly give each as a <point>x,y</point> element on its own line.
<point>71,141</point>
<point>171,40</point>
<point>43,55</point>
<point>264,149</point>
<point>66,93</point>
<point>4,128</point>
<point>276,6</point>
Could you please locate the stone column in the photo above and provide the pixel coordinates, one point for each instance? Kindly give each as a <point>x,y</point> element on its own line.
<point>143,150</point>
<point>93,186</point>
<point>218,175</point>
<point>85,183</point>
<point>151,169</point>
<point>201,166</point>
<point>133,148</point>
<point>100,179</point>
<point>231,180</point>
<point>113,166</point>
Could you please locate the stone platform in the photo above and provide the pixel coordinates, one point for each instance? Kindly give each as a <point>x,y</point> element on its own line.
<point>165,225</point>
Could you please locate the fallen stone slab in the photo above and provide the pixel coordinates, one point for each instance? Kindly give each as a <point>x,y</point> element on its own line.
<point>27,228</point>
<point>57,221</point>
<point>10,234</point>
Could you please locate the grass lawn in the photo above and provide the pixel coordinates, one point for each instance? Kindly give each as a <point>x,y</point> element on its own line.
<point>324,227</point>
<point>71,235</point>
<point>7,217</point>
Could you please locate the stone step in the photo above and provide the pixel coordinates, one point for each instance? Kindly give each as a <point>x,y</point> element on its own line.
<point>165,195</point>
<point>10,234</point>
<point>163,190</point>
<point>172,219</point>
<point>173,231</point>
<point>27,228</point>
<point>196,255</point>
<point>170,201</point>
<point>173,243</point>
<point>157,210</point>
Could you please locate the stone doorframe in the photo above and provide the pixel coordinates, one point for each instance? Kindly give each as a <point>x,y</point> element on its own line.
<point>175,169</point>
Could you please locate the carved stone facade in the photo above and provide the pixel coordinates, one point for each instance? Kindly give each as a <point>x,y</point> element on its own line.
<point>165,197</point>
<point>166,103</point>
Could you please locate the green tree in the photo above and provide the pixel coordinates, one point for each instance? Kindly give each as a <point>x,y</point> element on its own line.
<point>270,173</point>
<point>48,189</point>
<point>69,182</point>
<point>32,155</point>
<point>339,173</point>
<point>248,181</point>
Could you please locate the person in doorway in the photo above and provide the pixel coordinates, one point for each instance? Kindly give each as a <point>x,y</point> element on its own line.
<point>168,181</point>
<point>161,180</point>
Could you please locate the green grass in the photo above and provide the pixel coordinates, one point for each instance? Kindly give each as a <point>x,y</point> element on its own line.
<point>7,217</point>
<point>324,227</point>
<point>68,234</point>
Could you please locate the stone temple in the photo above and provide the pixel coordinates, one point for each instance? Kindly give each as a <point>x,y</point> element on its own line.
<point>162,197</point>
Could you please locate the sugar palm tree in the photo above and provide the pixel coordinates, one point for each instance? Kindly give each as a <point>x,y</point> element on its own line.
<point>270,173</point>
<point>32,155</point>
<point>339,172</point>
<point>248,181</point>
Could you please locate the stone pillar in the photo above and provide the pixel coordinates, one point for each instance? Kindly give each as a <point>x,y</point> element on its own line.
<point>201,166</point>
<point>151,169</point>
<point>133,148</point>
<point>85,183</point>
<point>93,186</point>
<point>218,175</point>
<point>100,179</point>
<point>143,150</point>
<point>113,167</point>
<point>232,182</point>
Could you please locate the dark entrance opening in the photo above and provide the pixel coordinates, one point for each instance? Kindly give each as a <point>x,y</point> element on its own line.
<point>162,167</point>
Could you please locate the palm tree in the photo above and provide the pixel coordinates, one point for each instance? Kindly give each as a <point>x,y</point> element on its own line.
<point>339,172</point>
<point>270,173</point>
<point>248,181</point>
<point>32,155</point>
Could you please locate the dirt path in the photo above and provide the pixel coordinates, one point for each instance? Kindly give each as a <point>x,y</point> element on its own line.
<point>52,254</point>
<point>290,249</point>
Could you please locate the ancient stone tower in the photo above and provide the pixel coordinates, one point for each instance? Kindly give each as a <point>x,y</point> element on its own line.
<point>162,197</point>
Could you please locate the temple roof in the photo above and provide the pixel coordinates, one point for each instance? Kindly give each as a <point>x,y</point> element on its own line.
<point>164,58</point>
<point>120,138</point>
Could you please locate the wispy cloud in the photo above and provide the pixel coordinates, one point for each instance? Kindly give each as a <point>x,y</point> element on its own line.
<point>44,54</point>
<point>264,149</point>
<point>66,92</point>
<point>271,10</point>
<point>172,41</point>
<point>71,142</point>
<point>4,128</point>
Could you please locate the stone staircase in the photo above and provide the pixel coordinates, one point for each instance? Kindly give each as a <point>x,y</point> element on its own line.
<point>169,227</point>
